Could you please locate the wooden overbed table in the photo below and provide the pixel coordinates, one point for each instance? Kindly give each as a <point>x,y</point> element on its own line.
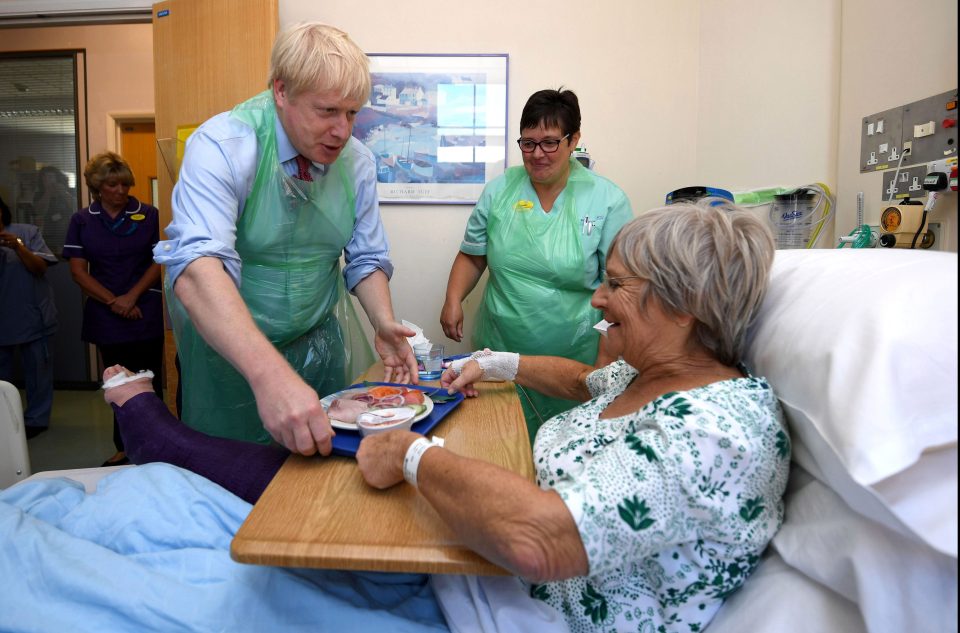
<point>318,512</point>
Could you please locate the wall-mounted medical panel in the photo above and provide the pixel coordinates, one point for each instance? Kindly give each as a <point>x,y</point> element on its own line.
<point>880,138</point>
<point>928,127</point>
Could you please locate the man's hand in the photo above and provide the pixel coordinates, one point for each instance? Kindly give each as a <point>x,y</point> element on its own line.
<point>399,363</point>
<point>380,457</point>
<point>292,414</point>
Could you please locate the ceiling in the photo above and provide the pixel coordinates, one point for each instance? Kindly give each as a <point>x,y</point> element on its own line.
<point>24,13</point>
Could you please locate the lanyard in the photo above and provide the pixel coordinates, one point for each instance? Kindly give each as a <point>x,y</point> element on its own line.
<point>115,225</point>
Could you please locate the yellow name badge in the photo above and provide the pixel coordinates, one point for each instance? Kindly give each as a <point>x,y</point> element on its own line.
<point>136,217</point>
<point>523,205</point>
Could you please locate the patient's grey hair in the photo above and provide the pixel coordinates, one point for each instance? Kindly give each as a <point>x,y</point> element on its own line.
<point>316,56</point>
<point>709,262</point>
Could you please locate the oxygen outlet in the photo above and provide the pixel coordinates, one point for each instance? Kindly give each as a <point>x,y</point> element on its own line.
<point>888,240</point>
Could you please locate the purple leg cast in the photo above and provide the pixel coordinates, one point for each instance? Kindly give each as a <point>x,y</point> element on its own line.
<point>152,434</point>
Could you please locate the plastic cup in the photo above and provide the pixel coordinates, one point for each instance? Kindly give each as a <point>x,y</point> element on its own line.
<point>429,361</point>
<point>384,420</point>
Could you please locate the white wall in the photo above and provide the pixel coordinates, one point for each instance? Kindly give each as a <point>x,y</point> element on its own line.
<point>739,94</point>
<point>784,87</point>
<point>769,89</point>
<point>633,65</point>
<point>892,53</point>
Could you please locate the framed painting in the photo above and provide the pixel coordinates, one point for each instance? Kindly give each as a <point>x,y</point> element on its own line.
<point>437,125</point>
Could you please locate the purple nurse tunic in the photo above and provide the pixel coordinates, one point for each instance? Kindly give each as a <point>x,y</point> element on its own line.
<point>119,252</point>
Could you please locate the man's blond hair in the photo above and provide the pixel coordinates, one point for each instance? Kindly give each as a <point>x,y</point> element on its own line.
<point>316,56</point>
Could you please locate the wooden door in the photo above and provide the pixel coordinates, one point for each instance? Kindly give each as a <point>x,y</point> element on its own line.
<point>138,146</point>
<point>208,55</point>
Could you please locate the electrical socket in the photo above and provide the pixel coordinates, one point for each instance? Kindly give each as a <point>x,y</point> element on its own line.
<point>908,185</point>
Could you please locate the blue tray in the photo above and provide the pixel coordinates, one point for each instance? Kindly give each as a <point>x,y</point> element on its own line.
<point>347,442</point>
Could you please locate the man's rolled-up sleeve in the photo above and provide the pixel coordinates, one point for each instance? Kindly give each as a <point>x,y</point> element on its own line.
<point>368,249</point>
<point>208,198</point>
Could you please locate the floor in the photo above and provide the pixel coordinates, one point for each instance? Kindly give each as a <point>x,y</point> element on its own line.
<point>80,435</point>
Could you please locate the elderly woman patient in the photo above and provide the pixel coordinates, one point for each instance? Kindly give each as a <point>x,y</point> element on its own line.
<point>656,497</point>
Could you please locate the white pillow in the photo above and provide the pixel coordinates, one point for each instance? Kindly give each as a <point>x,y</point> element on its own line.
<point>898,583</point>
<point>861,347</point>
<point>777,598</point>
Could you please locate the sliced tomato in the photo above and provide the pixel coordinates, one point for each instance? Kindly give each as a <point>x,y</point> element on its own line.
<point>413,396</point>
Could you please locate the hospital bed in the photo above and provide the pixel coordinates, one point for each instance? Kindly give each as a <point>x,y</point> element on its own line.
<point>861,347</point>
<point>14,459</point>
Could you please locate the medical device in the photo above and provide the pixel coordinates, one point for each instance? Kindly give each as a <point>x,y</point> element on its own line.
<point>697,192</point>
<point>862,236</point>
<point>797,216</point>
<point>580,153</point>
<point>905,225</point>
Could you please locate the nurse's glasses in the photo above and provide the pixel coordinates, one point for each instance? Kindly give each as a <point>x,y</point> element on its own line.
<point>549,146</point>
<point>612,283</point>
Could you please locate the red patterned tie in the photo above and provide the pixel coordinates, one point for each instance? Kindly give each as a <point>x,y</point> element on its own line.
<point>303,168</point>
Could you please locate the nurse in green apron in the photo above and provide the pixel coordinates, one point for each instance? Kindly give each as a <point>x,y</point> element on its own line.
<point>269,196</point>
<point>543,231</point>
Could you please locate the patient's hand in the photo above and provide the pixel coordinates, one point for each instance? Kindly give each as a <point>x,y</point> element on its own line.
<point>120,394</point>
<point>380,457</point>
<point>464,379</point>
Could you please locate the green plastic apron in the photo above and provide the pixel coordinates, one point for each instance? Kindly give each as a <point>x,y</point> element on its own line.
<point>535,301</point>
<point>289,238</point>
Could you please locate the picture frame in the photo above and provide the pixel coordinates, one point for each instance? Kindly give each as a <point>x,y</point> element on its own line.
<point>437,125</point>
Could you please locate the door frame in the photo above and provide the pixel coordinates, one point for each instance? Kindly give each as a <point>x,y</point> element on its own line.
<point>116,120</point>
<point>115,123</point>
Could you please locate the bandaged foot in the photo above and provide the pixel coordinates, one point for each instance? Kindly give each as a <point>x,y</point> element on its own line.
<point>152,434</point>
<point>120,384</point>
<point>495,365</point>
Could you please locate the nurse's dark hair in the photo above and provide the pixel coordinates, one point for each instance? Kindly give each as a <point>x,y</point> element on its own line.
<point>709,262</point>
<point>5,216</point>
<point>106,166</point>
<point>559,108</point>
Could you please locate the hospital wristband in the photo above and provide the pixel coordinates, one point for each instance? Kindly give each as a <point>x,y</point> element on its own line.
<point>411,461</point>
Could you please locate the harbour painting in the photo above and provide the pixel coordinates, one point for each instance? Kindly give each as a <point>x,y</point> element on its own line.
<point>436,125</point>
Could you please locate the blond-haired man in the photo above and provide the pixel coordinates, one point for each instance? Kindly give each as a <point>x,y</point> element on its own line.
<point>269,196</point>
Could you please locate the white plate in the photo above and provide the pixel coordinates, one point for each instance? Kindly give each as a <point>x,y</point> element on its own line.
<point>351,426</point>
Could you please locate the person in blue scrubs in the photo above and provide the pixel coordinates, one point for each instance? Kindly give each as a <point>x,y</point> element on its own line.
<point>28,318</point>
<point>269,197</point>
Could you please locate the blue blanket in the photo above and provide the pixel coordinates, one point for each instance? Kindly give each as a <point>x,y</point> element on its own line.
<point>149,551</point>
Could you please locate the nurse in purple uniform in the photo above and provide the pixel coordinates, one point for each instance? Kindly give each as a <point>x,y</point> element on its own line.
<point>110,248</point>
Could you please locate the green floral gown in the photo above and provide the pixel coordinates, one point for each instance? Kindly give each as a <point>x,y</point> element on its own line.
<point>675,503</point>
